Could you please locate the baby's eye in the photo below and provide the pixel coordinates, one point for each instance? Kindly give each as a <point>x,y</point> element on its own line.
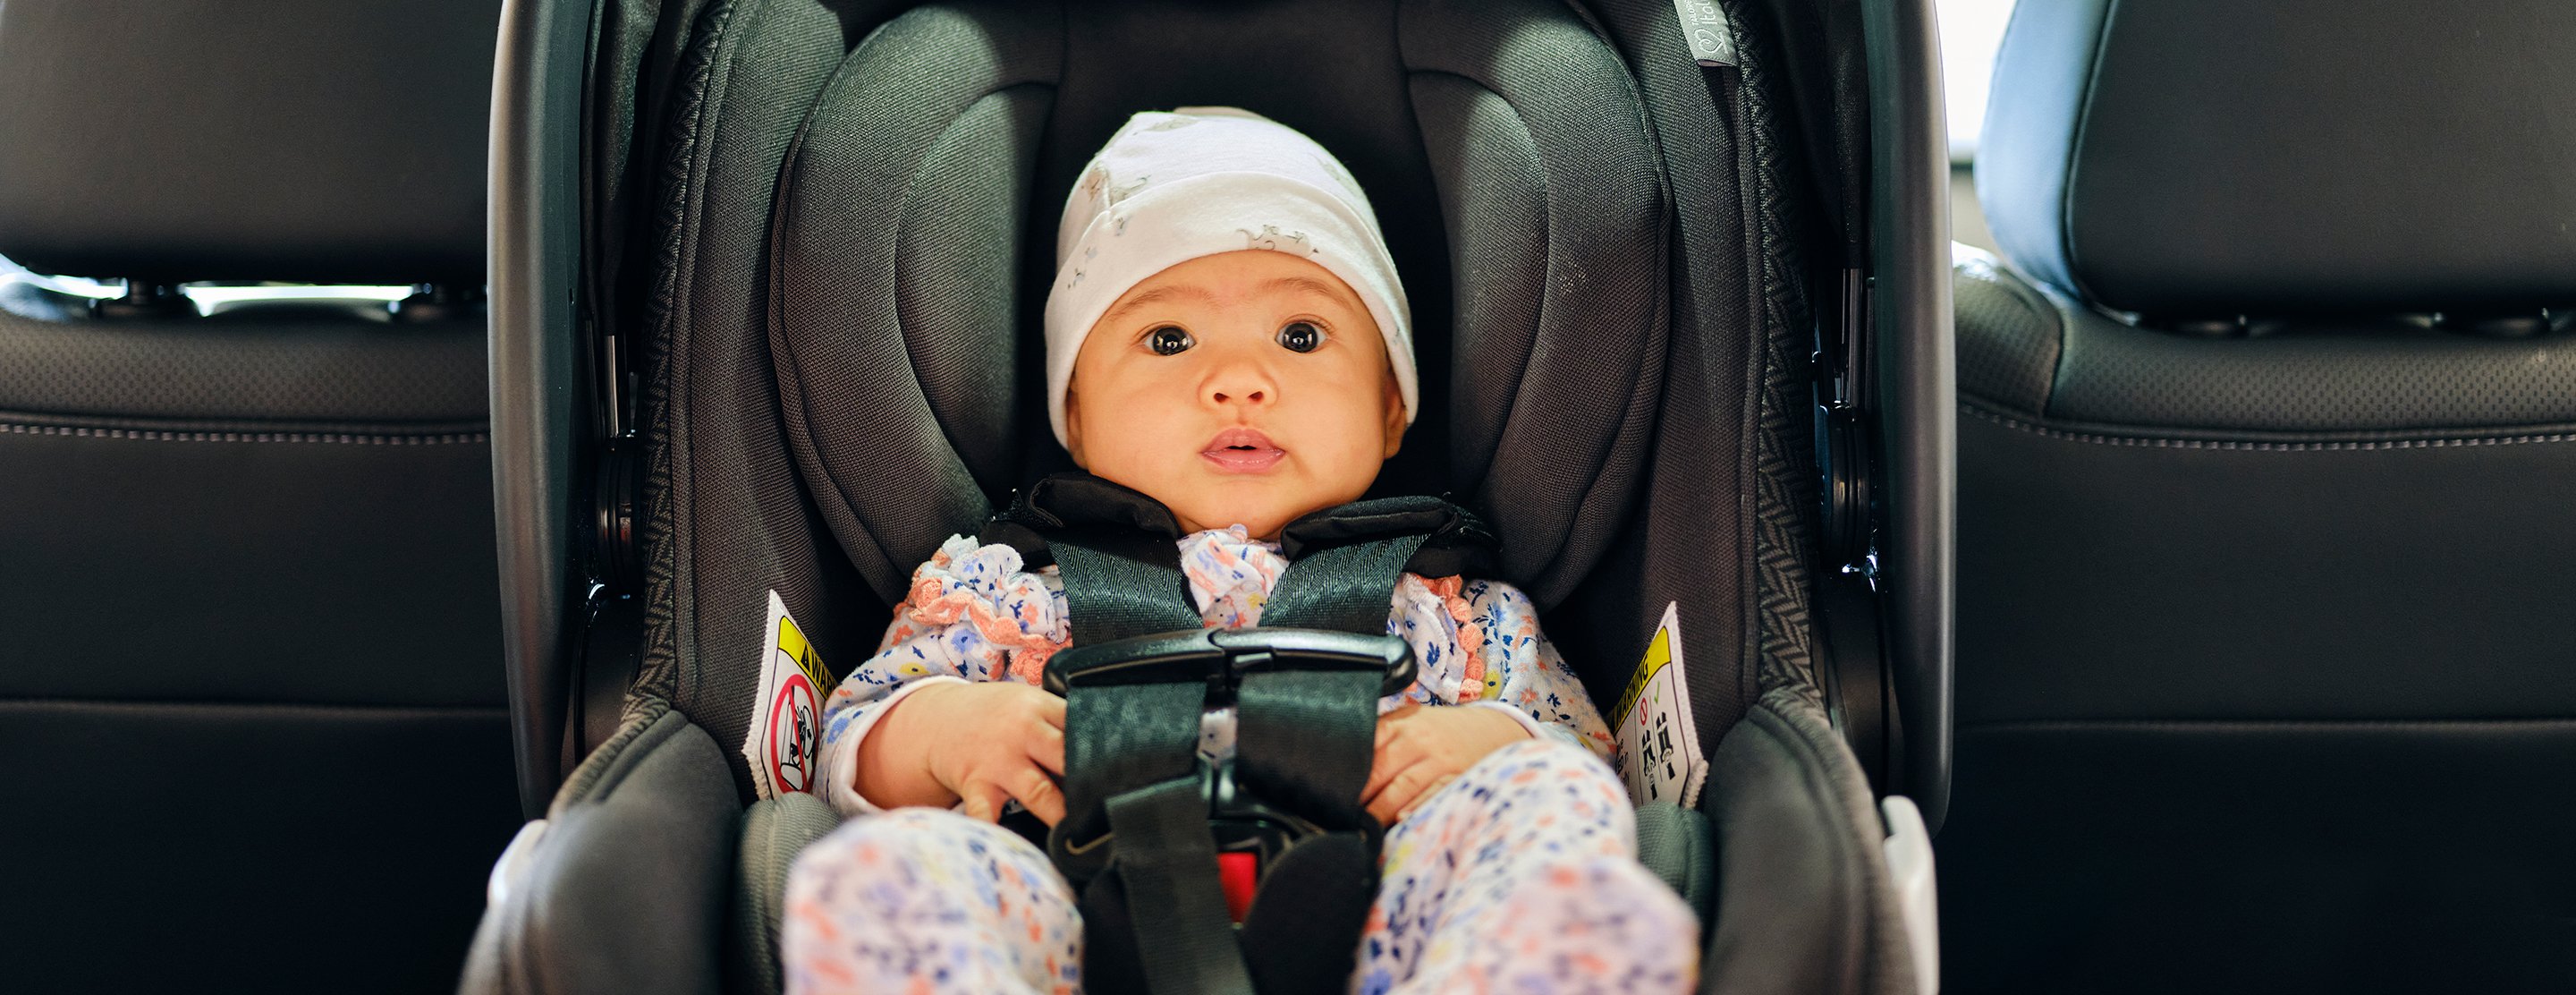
<point>1301,336</point>
<point>1169,341</point>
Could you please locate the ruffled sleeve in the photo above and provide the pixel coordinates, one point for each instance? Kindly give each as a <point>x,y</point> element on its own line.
<point>1477,642</point>
<point>972,614</point>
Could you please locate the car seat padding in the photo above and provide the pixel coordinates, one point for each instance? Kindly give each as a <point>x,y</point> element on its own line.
<point>1703,499</point>
<point>1561,270</point>
<point>774,832</point>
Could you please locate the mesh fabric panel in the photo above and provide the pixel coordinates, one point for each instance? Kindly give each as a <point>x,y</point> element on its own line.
<point>898,242</point>
<point>1556,214</point>
<point>1785,479</point>
<point>725,520</point>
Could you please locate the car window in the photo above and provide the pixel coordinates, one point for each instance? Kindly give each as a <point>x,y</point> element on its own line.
<point>1971,30</point>
<point>210,298</point>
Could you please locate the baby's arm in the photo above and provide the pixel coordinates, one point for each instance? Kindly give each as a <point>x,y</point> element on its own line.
<point>1480,646</point>
<point>971,623</point>
<point>980,744</point>
<point>1522,670</point>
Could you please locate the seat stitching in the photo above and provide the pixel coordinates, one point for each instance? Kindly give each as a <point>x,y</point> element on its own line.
<point>2161,442</point>
<point>158,435</point>
<point>24,703</point>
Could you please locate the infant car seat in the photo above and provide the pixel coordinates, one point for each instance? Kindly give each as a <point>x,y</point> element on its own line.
<point>835,300</point>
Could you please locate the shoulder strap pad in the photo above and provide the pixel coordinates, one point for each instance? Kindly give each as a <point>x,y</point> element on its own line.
<point>1069,500</point>
<point>1457,541</point>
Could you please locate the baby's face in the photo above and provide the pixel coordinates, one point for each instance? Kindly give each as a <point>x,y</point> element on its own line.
<point>1245,388</point>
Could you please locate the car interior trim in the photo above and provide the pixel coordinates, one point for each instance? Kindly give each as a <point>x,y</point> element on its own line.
<point>253,709</point>
<point>2270,442</point>
<point>430,438</point>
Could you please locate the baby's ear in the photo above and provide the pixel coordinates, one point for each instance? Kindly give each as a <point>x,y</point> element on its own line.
<point>1394,417</point>
<point>1073,426</point>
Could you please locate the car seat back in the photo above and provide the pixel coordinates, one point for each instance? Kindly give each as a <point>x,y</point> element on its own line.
<point>2263,459</point>
<point>250,686</point>
<point>1508,148</point>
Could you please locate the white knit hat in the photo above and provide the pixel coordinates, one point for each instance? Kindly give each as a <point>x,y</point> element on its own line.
<point>1169,188</point>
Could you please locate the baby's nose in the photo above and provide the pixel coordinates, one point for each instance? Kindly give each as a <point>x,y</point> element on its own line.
<point>1240,381</point>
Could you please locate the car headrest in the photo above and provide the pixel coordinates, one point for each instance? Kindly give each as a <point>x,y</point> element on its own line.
<point>2199,158</point>
<point>319,141</point>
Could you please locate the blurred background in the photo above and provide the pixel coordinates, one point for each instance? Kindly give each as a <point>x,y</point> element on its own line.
<point>1970,32</point>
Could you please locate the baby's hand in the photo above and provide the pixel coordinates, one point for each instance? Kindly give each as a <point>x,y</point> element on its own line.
<point>981,742</point>
<point>1420,749</point>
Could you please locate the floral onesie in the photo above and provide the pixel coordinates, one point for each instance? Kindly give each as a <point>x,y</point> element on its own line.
<point>1519,875</point>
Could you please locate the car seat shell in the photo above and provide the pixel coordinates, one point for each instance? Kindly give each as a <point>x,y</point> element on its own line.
<point>1688,418</point>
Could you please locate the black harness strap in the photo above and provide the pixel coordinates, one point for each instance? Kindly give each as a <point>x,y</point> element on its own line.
<point>1344,586</point>
<point>1137,838</point>
<point>1167,879</point>
<point>1120,583</point>
<point>1305,740</point>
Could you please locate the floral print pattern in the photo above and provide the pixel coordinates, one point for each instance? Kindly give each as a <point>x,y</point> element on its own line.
<point>1519,876</point>
<point>973,614</point>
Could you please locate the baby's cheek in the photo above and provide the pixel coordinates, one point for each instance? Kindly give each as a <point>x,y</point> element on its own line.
<point>1356,453</point>
<point>1130,449</point>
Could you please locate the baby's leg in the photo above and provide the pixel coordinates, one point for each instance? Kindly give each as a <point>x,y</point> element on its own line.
<point>919,900</point>
<point>1522,876</point>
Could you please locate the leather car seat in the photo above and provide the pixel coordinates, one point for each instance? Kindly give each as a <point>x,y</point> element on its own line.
<point>253,723</point>
<point>2266,677</point>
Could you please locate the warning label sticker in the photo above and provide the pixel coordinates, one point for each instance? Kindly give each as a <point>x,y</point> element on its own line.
<point>1659,753</point>
<point>786,718</point>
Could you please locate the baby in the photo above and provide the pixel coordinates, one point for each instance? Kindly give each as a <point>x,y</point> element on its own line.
<point>1225,334</point>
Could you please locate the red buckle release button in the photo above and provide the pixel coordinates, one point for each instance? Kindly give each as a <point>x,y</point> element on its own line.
<point>1237,873</point>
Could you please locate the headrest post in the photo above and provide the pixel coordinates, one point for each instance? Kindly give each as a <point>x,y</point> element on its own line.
<point>144,299</point>
<point>2504,325</point>
<point>438,302</point>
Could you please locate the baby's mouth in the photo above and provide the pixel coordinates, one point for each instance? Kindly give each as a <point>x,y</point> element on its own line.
<point>1242,450</point>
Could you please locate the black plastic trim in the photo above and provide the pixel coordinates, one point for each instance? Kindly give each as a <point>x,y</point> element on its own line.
<point>1917,385</point>
<point>1854,671</point>
<point>537,376</point>
<point>611,654</point>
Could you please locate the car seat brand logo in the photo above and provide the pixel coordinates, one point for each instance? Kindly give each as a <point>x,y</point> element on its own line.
<point>1711,36</point>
